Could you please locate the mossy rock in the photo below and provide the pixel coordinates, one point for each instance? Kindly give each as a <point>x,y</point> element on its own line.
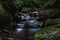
<point>48,33</point>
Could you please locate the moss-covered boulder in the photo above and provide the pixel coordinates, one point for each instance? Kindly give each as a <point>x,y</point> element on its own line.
<point>48,33</point>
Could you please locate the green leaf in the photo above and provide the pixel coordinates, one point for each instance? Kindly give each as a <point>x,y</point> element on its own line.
<point>18,3</point>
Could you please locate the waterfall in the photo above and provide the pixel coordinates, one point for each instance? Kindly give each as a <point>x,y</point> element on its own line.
<point>29,21</point>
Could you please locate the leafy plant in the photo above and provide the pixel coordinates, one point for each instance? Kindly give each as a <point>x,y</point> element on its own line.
<point>18,3</point>
<point>49,33</point>
<point>51,22</point>
<point>34,3</point>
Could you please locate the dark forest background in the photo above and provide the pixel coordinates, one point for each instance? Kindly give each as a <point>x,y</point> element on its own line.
<point>9,9</point>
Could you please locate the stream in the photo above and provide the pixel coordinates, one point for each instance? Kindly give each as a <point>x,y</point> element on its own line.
<point>29,22</point>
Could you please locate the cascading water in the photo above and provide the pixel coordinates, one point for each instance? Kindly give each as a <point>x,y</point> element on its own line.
<point>30,22</point>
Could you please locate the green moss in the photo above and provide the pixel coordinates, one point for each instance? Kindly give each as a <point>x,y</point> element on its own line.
<point>51,22</point>
<point>49,33</point>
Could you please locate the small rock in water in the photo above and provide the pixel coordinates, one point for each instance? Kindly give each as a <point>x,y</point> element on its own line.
<point>20,25</point>
<point>19,29</point>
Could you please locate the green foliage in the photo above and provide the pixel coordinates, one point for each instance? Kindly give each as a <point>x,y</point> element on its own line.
<point>18,3</point>
<point>49,33</point>
<point>34,3</point>
<point>26,9</point>
<point>51,22</point>
<point>45,3</point>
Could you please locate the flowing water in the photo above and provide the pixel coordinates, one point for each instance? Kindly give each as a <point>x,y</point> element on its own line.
<point>27,26</point>
<point>29,22</point>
